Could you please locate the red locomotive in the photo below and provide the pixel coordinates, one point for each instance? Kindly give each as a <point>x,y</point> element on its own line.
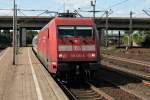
<point>69,46</point>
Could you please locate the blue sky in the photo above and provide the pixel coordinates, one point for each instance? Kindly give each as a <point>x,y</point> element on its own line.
<point>58,5</point>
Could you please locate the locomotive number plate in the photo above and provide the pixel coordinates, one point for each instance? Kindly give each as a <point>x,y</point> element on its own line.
<point>76,48</point>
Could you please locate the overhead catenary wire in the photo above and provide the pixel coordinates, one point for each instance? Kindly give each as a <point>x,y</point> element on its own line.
<point>78,13</point>
<point>38,10</point>
<point>146,12</point>
<point>47,12</point>
<point>32,10</point>
<point>21,12</point>
<point>117,4</point>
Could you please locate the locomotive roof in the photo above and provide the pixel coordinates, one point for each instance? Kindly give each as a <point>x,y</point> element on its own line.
<point>70,21</point>
<point>73,21</point>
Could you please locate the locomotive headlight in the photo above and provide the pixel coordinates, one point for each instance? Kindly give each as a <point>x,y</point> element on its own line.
<point>93,54</point>
<point>60,55</point>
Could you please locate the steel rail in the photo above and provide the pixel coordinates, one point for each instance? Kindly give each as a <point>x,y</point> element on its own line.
<point>144,63</point>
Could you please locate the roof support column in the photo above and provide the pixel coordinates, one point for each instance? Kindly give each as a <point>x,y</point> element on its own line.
<point>23,36</point>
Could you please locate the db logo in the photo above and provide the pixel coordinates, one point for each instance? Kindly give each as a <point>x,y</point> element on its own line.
<point>77,48</point>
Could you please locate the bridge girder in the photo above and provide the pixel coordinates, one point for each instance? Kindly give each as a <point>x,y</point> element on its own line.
<point>114,23</point>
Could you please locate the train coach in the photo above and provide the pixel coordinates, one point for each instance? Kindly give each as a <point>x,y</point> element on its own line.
<point>69,46</point>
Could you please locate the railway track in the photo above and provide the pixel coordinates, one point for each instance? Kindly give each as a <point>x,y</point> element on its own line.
<point>126,82</point>
<point>109,85</point>
<point>143,63</point>
<point>84,91</point>
<point>140,72</point>
<point>96,90</point>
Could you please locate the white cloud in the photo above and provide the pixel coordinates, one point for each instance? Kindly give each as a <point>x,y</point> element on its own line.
<point>6,12</point>
<point>5,4</point>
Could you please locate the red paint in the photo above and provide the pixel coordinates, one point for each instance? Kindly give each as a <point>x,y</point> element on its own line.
<point>48,43</point>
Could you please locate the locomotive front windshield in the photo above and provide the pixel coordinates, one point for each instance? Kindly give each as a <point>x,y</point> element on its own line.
<point>75,32</point>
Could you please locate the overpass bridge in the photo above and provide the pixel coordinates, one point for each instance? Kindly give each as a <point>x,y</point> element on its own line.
<point>114,23</point>
<point>36,23</point>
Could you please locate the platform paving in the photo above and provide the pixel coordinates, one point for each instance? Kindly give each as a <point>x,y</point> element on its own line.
<point>27,80</point>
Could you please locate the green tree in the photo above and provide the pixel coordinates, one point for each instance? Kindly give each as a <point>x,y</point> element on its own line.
<point>138,38</point>
<point>125,39</point>
<point>5,39</point>
<point>146,42</point>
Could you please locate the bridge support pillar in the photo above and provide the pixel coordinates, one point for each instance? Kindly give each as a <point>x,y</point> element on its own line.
<point>18,38</point>
<point>119,39</point>
<point>102,37</point>
<point>23,36</point>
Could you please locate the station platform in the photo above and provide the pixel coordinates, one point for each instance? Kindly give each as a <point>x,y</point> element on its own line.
<point>28,79</point>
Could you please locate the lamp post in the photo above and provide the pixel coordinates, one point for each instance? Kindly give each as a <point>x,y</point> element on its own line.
<point>106,25</point>
<point>130,30</point>
<point>14,31</point>
<point>93,3</point>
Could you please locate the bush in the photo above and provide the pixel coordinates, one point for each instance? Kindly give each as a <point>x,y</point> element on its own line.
<point>138,38</point>
<point>146,42</point>
<point>125,39</point>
